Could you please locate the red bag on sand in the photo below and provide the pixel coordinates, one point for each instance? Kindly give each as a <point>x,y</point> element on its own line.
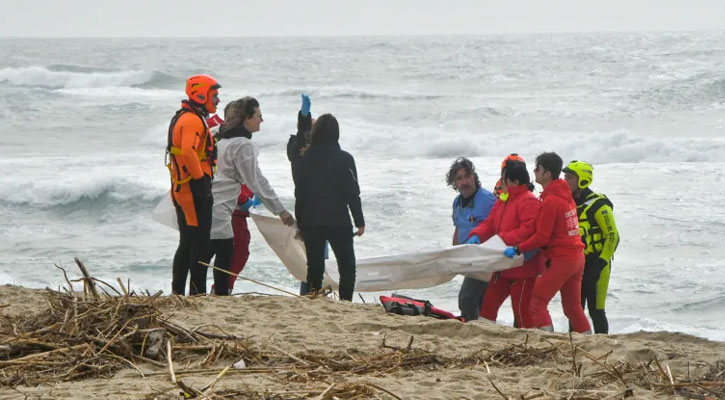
<point>402,305</point>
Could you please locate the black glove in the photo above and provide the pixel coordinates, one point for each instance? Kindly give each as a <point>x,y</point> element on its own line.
<point>593,268</point>
<point>200,188</point>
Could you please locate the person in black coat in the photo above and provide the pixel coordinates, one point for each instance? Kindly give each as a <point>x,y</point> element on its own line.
<point>295,144</point>
<point>301,140</point>
<point>326,187</point>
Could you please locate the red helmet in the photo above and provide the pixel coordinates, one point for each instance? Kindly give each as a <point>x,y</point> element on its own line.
<point>201,89</point>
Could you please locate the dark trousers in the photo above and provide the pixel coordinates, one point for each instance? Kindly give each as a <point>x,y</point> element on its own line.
<point>341,242</point>
<point>193,247</point>
<point>470,298</point>
<point>304,288</point>
<point>223,249</point>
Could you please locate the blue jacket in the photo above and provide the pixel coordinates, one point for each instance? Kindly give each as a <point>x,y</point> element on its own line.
<point>467,218</point>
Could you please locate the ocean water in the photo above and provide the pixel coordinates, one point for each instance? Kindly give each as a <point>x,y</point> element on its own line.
<point>84,129</point>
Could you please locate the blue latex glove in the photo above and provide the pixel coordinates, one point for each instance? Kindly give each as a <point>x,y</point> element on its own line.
<point>253,201</point>
<point>510,252</point>
<point>256,201</point>
<point>246,205</point>
<point>473,240</point>
<point>306,105</point>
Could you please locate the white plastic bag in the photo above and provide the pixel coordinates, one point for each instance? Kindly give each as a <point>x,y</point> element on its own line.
<point>165,212</point>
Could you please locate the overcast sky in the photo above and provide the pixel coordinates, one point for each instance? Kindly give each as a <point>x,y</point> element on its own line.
<point>52,18</point>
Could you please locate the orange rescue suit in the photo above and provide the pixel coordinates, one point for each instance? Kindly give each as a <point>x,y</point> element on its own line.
<point>190,148</point>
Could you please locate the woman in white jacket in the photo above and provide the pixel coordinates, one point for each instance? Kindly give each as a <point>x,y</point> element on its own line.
<point>236,165</point>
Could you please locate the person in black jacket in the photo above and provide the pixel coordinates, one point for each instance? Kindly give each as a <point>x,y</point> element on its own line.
<point>301,140</point>
<point>326,187</point>
<point>295,144</point>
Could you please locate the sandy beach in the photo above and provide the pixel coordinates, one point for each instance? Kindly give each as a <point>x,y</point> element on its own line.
<point>322,348</point>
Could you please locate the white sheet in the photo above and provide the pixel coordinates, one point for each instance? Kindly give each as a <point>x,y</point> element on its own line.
<point>401,271</point>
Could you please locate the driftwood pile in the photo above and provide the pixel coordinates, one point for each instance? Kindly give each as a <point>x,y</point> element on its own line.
<point>81,336</point>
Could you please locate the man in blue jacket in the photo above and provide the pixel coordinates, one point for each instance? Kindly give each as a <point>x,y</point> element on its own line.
<point>470,208</point>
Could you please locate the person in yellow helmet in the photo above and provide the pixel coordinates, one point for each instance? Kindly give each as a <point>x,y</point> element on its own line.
<point>191,156</point>
<point>599,234</point>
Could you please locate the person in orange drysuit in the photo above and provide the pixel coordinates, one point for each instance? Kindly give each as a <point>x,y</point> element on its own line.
<point>191,155</point>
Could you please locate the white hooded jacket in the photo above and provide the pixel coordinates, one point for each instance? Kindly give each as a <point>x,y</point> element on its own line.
<point>236,165</point>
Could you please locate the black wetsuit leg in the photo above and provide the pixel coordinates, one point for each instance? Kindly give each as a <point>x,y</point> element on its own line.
<point>589,301</point>
<point>180,268</point>
<point>193,242</point>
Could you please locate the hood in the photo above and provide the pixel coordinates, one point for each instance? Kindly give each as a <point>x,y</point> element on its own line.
<point>558,188</point>
<point>328,138</point>
<point>228,132</point>
<point>322,153</point>
<point>195,107</point>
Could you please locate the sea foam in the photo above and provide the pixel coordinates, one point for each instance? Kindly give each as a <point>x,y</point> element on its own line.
<point>37,76</point>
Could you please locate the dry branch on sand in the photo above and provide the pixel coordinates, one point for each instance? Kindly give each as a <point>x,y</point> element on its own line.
<point>79,337</point>
<point>83,335</point>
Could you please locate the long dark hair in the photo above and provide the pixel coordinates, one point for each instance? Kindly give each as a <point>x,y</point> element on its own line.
<point>325,130</point>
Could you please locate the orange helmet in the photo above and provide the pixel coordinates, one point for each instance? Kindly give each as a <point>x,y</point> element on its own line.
<point>511,157</point>
<point>201,89</point>
<point>498,189</point>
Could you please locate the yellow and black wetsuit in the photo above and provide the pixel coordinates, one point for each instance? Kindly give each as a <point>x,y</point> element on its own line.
<point>599,234</point>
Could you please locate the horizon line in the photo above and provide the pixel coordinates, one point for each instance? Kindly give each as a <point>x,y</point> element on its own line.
<point>512,33</point>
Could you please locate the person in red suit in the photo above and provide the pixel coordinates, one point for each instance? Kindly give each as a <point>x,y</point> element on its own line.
<point>557,235</point>
<point>513,219</point>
